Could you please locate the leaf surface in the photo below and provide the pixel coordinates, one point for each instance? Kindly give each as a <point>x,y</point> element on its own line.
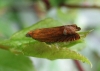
<point>19,43</point>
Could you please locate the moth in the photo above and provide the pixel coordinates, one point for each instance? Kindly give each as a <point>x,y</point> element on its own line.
<point>64,33</point>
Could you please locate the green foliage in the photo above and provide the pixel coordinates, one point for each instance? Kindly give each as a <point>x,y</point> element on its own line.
<point>98,66</point>
<point>67,15</point>
<point>11,62</point>
<point>73,2</point>
<point>56,2</point>
<point>5,3</point>
<point>5,29</point>
<point>19,43</point>
<point>59,2</point>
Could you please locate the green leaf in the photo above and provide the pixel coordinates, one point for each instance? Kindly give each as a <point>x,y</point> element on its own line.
<point>11,62</point>
<point>47,23</point>
<point>18,43</point>
<point>52,52</point>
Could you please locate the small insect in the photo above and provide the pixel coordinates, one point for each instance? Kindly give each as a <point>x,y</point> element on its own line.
<point>56,34</point>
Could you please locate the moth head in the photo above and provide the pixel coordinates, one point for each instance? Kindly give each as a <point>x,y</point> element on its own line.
<point>76,27</point>
<point>71,29</point>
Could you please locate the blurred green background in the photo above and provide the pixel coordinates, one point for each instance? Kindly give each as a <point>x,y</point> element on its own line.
<point>18,14</point>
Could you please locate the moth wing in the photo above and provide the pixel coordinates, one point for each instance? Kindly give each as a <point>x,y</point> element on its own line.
<point>63,38</point>
<point>67,38</point>
<point>51,39</point>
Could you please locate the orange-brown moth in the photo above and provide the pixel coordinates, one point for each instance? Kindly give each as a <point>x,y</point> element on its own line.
<point>56,34</point>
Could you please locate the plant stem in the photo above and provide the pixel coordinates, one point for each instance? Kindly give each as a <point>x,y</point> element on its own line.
<point>80,68</point>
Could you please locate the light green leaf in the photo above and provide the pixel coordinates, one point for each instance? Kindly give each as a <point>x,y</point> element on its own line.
<point>52,52</point>
<point>18,43</point>
<point>11,62</point>
<point>42,24</point>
